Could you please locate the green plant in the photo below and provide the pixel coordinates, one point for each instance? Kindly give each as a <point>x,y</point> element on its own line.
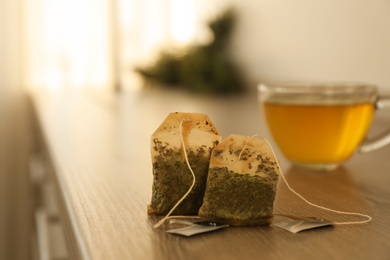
<point>208,68</point>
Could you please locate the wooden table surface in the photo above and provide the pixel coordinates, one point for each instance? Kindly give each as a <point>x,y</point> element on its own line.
<point>99,150</point>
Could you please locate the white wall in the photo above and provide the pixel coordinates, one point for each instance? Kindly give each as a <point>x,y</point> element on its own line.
<point>346,40</point>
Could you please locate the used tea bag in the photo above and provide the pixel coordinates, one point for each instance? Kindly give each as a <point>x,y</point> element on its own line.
<point>171,175</point>
<point>241,184</point>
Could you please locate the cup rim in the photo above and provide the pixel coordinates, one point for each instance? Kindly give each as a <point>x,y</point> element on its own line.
<point>329,87</point>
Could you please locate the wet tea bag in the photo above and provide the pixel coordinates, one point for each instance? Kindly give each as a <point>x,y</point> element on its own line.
<point>172,176</point>
<point>241,184</point>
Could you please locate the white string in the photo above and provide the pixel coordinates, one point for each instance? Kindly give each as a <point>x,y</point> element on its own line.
<point>192,172</point>
<point>243,148</point>
<point>245,144</point>
<point>368,218</point>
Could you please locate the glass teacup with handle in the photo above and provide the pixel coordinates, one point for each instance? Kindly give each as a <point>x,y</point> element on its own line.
<point>321,125</point>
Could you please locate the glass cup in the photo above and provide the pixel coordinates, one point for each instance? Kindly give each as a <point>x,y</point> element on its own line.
<point>321,125</point>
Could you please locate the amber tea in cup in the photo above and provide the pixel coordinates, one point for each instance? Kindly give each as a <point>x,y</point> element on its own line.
<point>320,125</point>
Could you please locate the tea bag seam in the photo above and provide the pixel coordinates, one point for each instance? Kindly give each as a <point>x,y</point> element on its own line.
<point>189,167</point>
<point>368,218</point>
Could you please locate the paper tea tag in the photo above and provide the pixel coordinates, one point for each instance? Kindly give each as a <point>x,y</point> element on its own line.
<point>295,224</point>
<point>196,228</point>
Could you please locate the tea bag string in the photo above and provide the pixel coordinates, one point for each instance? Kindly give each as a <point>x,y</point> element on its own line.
<point>189,167</point>
<point>245,144</point>
<point>367,217</point>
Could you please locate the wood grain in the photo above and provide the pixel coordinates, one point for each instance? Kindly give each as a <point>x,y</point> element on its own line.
<point>99,150</point>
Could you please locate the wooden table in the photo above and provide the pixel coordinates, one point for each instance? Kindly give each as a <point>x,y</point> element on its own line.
<point>98,151</point>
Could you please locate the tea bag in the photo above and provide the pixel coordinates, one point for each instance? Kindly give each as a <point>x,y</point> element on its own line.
<point>241,184</point>
<point>172,178</point>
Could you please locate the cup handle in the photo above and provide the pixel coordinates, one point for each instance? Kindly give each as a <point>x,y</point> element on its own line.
<point>381,140</point>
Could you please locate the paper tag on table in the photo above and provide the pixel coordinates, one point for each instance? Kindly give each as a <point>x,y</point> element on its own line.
<point>296,224</point>
<point>196,228</point>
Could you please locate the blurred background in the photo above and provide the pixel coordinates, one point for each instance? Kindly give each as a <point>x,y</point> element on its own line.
<point>68,45</point>
<point>96,44</point>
